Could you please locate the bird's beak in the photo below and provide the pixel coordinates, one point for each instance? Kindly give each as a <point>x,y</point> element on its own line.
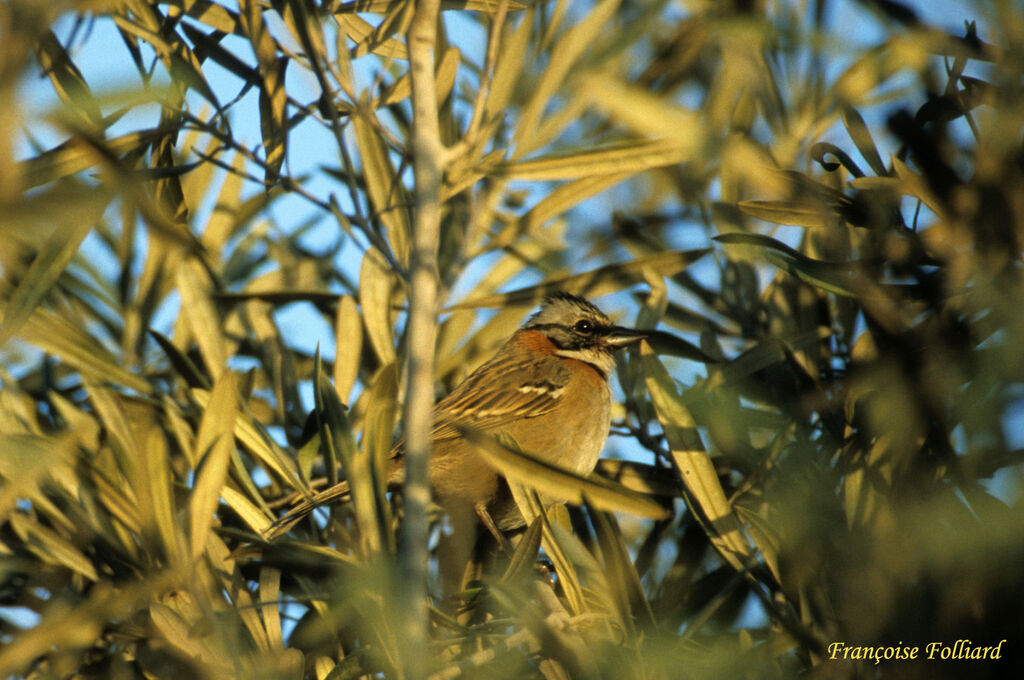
<point>620,337</point>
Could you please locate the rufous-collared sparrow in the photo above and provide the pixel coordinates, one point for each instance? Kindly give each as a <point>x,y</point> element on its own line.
<point>546,388</point>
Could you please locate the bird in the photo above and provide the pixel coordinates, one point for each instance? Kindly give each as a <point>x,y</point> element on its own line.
<point>546,388</point>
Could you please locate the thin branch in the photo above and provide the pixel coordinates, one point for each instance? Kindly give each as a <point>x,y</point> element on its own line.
<point>486,76</point>
<point>428,153</point>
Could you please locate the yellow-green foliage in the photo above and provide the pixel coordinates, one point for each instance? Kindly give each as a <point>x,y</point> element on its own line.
<point>824,225</point>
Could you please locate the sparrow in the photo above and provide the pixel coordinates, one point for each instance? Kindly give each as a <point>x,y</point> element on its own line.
<point>546,388</point>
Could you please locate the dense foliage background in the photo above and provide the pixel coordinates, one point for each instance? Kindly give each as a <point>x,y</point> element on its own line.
<point>206,256</point>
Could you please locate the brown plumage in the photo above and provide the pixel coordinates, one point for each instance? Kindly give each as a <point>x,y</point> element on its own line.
<point>546,387</point>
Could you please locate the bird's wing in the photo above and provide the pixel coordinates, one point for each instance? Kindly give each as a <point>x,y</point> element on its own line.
<point>508,387</point>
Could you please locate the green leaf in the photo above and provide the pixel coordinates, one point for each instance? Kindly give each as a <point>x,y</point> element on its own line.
<point>861,136</point>
<point>567,51</point>
<point>78,154</point>
<point>348,336</point>
<point>375,283</point>
<point>367,474</point>
<point>68,81</point>
<point>610,160</point>
<point>601,281</point>
<point>388,197</point>
<point>841,278</point>
<point>199,312</point>
<point>531,471</point>
<point>214,445</point>
<point>210,13</point>
<point>798,213</point>
<point>695,468</point>
<point>388,6</point>
<point>259,444</point>
<point>254,517</point>
<point>50,547</point>
<point>46,268</point>
<point>369,40</point>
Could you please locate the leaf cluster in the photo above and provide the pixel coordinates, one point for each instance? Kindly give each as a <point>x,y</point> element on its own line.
<point>823,429</point>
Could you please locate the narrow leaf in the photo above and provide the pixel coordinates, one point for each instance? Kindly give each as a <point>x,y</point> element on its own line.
<point>632,158</point>
<point>861,136</point>
<point>199,312</point>
<point>596,282</point>
<point>46,268</point>
<point>214,444</point>
<point>375,281</point>
<point>695,467</point>
<point>531,471</point>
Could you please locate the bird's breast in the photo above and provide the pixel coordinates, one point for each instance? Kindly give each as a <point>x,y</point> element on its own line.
<point>573,435</point>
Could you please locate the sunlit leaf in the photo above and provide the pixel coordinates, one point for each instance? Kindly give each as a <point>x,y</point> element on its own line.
<point>387,195</point>
<point>564,56</point>
<point>529,470</point>
<point>835,277</point>
<point>597,282</point>
<point>199,312</point>
<point>348,347</point>
<point>695,467</point>
<point>214,444</point>
<point>861,136</point>
<point>632,158</point>
<point>46,268</point>
<point>375,300</point>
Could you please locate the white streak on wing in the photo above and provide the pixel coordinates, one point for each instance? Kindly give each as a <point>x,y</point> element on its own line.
<point>541,389</point>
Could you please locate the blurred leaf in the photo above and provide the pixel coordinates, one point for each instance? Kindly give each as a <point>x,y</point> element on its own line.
<point>214,444</point>
<point>78,154</point>
<point>569,195</point>
<point>631,158</point>
<point>564,56</point>
<point>622,575</point>
<point>50,547</point>
<point>197,309</point>
<point>645,114</point>
<point>835,277</point>
<point>75,627</point>
<point>694,465</point>
<point>348,350</point>
<point>524,558</point>
<point>366,473</point>
<point>375,284</point>
<point>861,136</point>
<point>527,469</point>
<point>46,268</point>
<point>914,185</point>
<point>387,195</point>
<point>597,282</point>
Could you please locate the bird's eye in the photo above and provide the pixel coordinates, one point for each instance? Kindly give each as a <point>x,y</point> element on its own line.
<point>583,326</point>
